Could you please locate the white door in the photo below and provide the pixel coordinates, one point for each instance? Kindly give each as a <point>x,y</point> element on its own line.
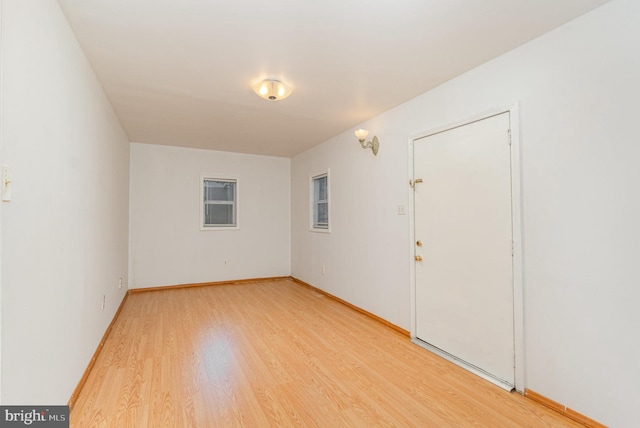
<point>463,233</point>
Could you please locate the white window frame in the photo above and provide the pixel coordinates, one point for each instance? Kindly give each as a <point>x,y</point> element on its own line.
<point>312,202</point>
<point>226,178</point>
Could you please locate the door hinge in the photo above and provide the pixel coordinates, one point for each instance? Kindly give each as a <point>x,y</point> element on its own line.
<point>509,135</point>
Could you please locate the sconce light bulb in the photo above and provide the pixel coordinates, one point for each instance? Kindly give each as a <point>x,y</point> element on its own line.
<point>361,134</point>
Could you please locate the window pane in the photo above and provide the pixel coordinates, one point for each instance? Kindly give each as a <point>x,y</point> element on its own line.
<point>320,202</point>
<point>219,202</point>
<point>219,214</point>
<point>320,188</point>
<point>323,214</point>
<point>219,190</point>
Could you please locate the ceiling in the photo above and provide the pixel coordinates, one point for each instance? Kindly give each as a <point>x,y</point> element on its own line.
<point>179,72</point>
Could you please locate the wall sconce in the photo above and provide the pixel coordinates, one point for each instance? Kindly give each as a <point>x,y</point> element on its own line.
<point>361,134</point>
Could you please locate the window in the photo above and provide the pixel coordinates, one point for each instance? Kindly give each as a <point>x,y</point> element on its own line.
<point>320,202</point>
<point>219,203</point>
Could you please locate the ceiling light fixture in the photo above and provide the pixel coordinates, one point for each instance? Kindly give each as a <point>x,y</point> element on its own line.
<point>272,89</point>
<point>374,144</point>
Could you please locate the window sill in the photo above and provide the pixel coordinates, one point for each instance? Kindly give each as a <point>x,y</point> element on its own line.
<point>218,228</point>
<point>320,230</point>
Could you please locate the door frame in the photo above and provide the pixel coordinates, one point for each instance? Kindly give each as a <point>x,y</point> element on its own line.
<point>2,138</point>
<point>516,216</point>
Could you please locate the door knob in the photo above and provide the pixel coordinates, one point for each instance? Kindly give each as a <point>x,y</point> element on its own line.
<point>418,258</point>
<point>419,243</point>
<point>413,183</point>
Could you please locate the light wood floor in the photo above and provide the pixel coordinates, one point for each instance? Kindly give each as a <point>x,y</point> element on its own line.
<point>279,354</point>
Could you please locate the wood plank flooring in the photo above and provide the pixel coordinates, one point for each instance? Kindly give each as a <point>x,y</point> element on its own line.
<point>277,354</point>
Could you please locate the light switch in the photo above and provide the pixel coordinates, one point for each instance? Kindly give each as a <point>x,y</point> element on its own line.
<point>6,183</point>
<point>401,210</point>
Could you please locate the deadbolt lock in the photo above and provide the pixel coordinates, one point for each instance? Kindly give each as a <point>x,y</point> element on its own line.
<point>418,258</point>
<point>419,243</point>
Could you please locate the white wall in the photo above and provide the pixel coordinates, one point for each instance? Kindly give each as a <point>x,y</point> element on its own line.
<point>64,234</point>
<point>366,254</point>
<point>578,90</point>
<point>166,243</point>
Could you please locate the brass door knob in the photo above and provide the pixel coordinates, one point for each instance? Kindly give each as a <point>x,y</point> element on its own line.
<point>419,243</point>
<point>418,258</point>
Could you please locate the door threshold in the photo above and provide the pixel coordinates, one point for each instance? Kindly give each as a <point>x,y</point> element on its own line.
<point>461,363</point>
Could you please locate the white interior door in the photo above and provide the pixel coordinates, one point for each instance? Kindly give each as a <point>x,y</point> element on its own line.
<point>463,222</point>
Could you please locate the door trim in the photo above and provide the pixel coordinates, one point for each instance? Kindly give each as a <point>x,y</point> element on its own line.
<point>516,215</point>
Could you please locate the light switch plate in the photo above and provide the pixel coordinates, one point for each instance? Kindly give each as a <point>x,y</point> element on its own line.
<point>6,183</point>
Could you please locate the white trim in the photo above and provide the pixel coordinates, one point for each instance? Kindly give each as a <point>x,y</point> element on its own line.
<point>130,280</point>
<point>516,215</point>
<point>326,172</point>
<point>219,177</point>
<point>412,247</point>
<point>458,123</point>
<point>517,226</point>
<point>2,127</point>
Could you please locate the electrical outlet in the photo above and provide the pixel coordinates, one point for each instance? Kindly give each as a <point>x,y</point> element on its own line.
<point>226,263</point>
<point>103,301</point>
<point>120,283</point>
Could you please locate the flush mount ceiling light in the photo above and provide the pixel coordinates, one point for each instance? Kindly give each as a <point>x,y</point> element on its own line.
<point>272,89</point>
